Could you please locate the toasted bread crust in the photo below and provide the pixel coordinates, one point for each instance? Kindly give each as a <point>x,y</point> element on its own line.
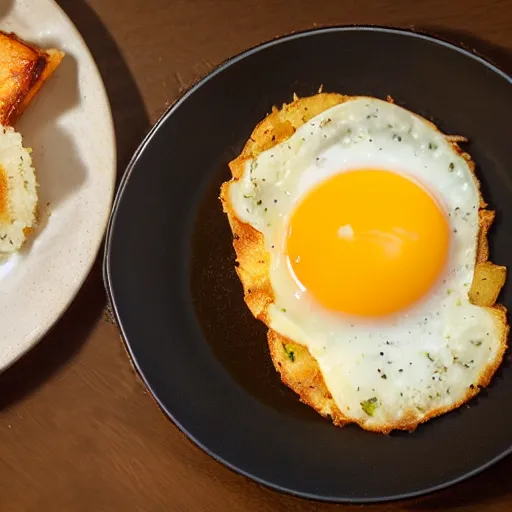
<point>296,366</point>
<point>23,70</point>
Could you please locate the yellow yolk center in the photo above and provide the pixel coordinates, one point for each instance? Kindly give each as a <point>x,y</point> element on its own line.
<point>368,242</point>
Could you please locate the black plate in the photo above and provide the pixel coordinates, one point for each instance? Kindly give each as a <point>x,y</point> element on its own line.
<point>170,267</point>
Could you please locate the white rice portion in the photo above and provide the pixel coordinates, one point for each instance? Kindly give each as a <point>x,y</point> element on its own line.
<point>20,214</point>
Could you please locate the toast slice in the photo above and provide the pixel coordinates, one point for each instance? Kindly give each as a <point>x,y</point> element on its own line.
<point>23,70</point>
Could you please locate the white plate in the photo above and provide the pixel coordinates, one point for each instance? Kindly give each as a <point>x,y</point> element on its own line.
<point>69,127</point>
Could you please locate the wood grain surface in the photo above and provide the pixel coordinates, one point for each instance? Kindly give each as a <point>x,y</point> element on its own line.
<point>78,431</point>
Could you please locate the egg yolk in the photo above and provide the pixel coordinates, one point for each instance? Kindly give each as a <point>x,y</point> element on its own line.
<point>368,242</point>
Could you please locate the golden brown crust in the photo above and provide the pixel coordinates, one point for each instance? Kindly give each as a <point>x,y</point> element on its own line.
<point>253,261</point>
<point>4,205</point>
<point>488,280</point>
<point>296,366</point>
<point>280,125</point>
<point>486,218</point>
<point>23,69</point>
<point>300,372</point>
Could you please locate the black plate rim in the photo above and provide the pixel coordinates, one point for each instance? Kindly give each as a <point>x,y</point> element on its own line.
<point>107,276</point>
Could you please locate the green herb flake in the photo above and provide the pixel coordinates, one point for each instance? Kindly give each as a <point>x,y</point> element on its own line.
<point>369,406</point>
<point>283,310</point>
<point>289,352</point>
<point>432,146</point>
<point>429,357</point>
<point>458,303</point>
<point>451,166</point>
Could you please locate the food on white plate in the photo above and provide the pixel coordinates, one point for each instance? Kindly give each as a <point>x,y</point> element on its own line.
<point>18,192</point>
<point>361,241</point>
<point>23,70</point>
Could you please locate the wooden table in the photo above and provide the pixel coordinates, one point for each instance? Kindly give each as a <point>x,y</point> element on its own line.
<point>78,431</point>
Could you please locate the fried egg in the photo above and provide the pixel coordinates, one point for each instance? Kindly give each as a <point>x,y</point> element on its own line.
<point>18,192</point>
<point>370,222</point>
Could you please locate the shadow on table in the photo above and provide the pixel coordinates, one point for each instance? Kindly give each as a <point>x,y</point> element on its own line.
<point>131,124</point>
<point>131,121</point>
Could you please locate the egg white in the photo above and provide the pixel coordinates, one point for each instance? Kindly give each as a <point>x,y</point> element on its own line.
<point>385,370</point>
